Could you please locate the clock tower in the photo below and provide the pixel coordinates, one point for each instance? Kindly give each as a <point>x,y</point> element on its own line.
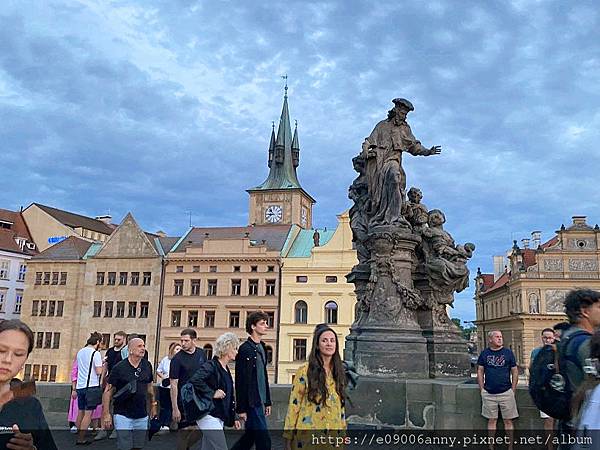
<point>280,200</point>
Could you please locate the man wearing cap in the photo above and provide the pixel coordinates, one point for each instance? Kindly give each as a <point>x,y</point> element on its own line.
<point>383,153</point>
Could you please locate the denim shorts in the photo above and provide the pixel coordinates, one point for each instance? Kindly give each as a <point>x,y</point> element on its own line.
<point>131,433</point>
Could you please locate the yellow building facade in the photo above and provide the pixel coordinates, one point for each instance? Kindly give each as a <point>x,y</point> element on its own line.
<point>313,291</point>
<point>527,294</point>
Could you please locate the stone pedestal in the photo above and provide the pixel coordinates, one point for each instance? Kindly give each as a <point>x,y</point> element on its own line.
<point>386,339</point>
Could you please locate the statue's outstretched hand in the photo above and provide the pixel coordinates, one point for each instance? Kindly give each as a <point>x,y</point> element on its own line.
<point>435,150</point>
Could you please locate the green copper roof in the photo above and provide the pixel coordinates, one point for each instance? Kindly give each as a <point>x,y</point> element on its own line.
<point>93,250</point>
<point>282,173</point>
<point>304,242</point>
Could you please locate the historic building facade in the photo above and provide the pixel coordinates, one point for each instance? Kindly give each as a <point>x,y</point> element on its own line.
<point>215,277</point>
<point>76,287</point>
<point>313,291</point>
<point>528,294</point>
<point>16,248</point>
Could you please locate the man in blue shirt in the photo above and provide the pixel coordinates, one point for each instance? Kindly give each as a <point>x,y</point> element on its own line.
<point>497,375</point>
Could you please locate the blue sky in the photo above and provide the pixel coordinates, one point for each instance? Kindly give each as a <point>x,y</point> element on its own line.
<point>160,108</point>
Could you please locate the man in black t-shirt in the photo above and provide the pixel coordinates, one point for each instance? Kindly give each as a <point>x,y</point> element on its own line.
<point>113,354</point>
<point>130,387</point>
<point>183,365</point>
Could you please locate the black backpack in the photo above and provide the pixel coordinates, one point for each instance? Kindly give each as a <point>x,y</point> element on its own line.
<point>549,385</point>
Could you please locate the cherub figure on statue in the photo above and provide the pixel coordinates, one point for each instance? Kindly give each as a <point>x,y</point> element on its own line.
<point>415,211</point>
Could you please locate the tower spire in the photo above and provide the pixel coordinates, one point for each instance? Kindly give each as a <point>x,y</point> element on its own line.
<point>295,147</point>
<point>272,145</point>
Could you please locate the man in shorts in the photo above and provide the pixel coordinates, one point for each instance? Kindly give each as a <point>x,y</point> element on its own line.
<point>497,375</point>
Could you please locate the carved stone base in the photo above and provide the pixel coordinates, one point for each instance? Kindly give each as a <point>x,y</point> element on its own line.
<point>448,355</point>
<point>388,352</point>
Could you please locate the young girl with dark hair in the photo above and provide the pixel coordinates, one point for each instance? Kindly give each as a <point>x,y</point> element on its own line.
<point>317,401</point>
<point>22,421</point>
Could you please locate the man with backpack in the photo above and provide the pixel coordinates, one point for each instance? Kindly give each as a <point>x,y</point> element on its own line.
<point>497,375</point>
<point>548,338</point>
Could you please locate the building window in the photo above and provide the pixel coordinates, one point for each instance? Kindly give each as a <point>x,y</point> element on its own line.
<point>36,372</point>
<point>195,268</point>
<point>144,306</point>
<point>100,278</point>
<point>38,278</point>
<point>208,351</point>
<point>209,319</point>
<point>253,268</point>
<point>177,287</point>
<point>135,278</point>
<point>22,272</point>
<point>146,279</point>
<point>59,308</point>
<point>300,312</point>
<point>195,287</point>
<point>46,279</point>
<point>269,354</point>
<point>330,279</point>
<point>331,312</point>
<point>212,287</point>
<point>108,309</point>
<point>270,318</point>
<point>236,287</point>
<point>3,298</point>
<point>54,278</point>
<point>112,278</point>
<point>48,340</point>
<point>56,340</point>
<point>270,268</point>
<point>35,306</point>
<point>234,319</point>
<point>27,372</point>
<point>39,339</point>
<point>4,269</point>
<point>63,278</point>
<point>18,302</point>
<point>176,318</point>
<point>299,349</point>
<point>122,278</point>
<point>120,312</point>
<point>179,269</point>
<point>252,287</point>
<point>301,279</point>
<point>192,318</point>
<point>132,312</point>
<point>97,309</point>
<point>44,376</point>
<point>52,377</point>
<point>212,269</point>
<point>270,287</point>
<point>43,308</point>
<point>236,268</point>
<point>51,308</point>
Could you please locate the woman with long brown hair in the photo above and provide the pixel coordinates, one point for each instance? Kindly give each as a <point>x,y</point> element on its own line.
<point>317,401</point>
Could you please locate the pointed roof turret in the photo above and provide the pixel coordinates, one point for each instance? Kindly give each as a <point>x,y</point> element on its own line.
<point>282,163</point>
<point>295,147</point>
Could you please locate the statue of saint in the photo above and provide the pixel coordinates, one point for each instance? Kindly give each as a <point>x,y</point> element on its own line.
<point>383,154</point>
<point>358,192</point>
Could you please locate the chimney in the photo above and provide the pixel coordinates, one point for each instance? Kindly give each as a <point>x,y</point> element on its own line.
<point>498,266</point>
<point>161,233</point>
<point>525,242</point>
<point>579,220</point>
<point>536,238</point>
<point>107,219</point>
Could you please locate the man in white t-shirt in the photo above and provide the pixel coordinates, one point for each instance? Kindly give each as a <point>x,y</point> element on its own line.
<point>89,390</point>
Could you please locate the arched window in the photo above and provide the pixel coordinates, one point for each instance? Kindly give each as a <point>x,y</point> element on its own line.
<point>300,312</point>
<point>208,351</point>
<point>331,312</point>
<point>269,354</point>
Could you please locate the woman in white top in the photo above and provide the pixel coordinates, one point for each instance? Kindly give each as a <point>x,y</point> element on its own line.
<point>164,386</point>
<point>586,402</point>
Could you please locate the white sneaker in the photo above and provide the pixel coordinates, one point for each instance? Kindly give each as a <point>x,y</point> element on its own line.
<point>73,429</point>
<point>164,430</point>
<point>101,435</point>
<point>113,435</point>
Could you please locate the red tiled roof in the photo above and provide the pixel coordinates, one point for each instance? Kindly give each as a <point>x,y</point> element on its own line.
<point>7,242</point>
<point>488,280</point>
<point>77,220</point>
<point>19,226</point>
<point>502,281</point>
<point>550,243</point>
<point>529,258</point>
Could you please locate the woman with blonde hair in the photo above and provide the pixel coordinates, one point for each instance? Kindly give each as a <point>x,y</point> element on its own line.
<point>317,401</point>
<point>214,385</point>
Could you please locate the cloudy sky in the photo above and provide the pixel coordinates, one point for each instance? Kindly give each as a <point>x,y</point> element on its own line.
<point>161,108</point>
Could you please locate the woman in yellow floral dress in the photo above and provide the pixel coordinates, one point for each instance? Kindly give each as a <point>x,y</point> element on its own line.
<point>317,398</point>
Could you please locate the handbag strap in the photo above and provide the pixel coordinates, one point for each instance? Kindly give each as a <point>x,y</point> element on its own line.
<point>87,385</point>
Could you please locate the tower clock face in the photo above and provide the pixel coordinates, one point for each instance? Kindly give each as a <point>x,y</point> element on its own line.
<point>274,214</point>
